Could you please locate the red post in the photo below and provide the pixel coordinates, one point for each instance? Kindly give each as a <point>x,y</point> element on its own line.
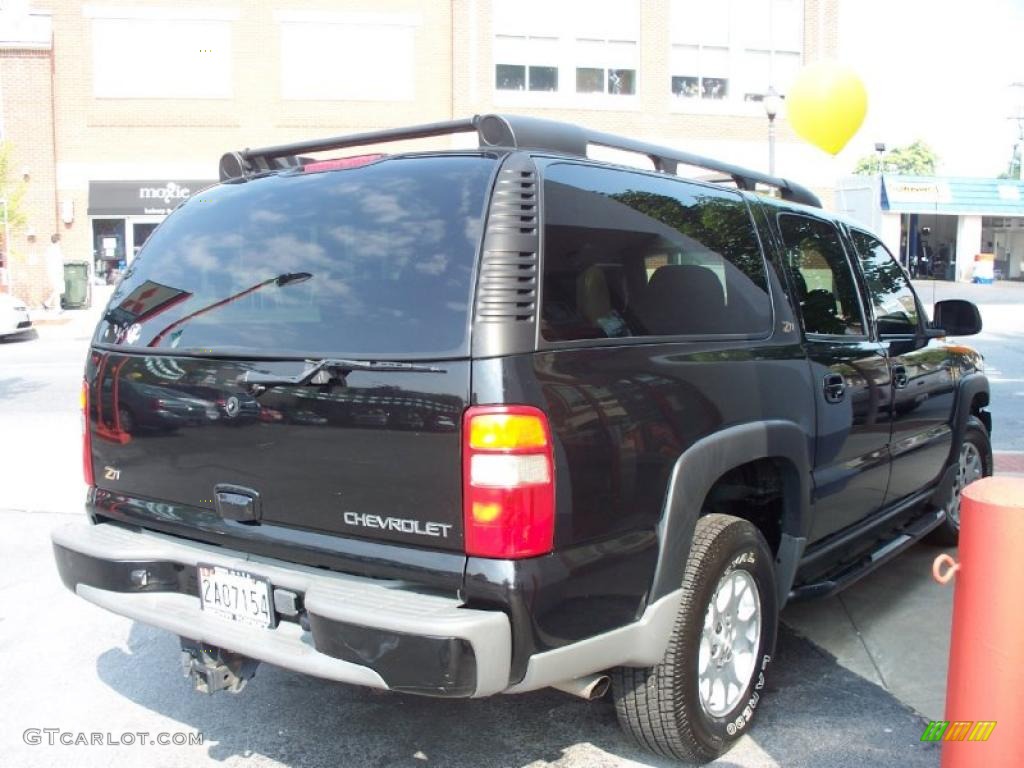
<point>986,656</point>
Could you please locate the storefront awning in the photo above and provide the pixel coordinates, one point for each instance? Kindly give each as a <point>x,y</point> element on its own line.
<point>141,198</point>
<point>953,195</point>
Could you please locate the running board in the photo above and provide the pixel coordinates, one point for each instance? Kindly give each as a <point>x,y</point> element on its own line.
<point>913,533</point>
<point>826,550</point>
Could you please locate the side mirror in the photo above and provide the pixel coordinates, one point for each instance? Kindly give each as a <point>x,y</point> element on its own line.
<point>957,317</point>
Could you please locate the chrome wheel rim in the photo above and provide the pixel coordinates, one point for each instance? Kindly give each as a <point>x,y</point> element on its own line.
<point>729,643</point>
<point>970,467</point>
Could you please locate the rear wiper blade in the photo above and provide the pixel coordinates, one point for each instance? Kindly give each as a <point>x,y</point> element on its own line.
<point>325,371</point>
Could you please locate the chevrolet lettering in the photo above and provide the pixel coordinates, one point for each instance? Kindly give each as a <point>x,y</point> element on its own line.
<point>419,527</point>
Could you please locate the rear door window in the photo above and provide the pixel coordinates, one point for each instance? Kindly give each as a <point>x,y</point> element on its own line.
<point>631,254</point>
<point>376,260</point>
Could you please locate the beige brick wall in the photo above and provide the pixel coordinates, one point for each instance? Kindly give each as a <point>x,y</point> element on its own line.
<point>104,138</point>
<point>25,85</point>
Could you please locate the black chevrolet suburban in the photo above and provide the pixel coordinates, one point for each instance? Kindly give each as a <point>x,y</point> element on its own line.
<point>467,422</point>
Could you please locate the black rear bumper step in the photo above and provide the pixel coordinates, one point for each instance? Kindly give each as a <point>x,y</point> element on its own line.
<point>420,664</point>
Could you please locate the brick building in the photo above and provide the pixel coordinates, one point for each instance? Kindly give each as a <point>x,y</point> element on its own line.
<point>26,125</point>
<point>126,107</point>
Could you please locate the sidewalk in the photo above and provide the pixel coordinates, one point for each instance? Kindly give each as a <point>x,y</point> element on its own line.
<point>893,626</point>
<point>72,323</point>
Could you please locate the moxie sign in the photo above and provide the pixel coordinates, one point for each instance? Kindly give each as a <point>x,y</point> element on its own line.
<point>141,198</point>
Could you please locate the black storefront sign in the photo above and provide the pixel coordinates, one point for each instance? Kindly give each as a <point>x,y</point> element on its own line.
<point>141,198</point>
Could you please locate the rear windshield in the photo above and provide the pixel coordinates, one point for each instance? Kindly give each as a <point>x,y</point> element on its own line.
<point>375,261</point>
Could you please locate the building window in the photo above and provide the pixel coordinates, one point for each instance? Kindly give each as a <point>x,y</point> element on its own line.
<point>735,49</point>
<point>700,49</point>
<point>704,71</point>
<point>347,56</point>
<point>572,47</point>
<point>606,66</point>
<point>772,37</point>
<point>161,53</point>
<point>525,63</point>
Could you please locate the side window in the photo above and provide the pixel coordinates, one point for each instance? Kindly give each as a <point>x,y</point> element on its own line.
<point>824,280</point>
<point>629,254</point>
<point>888,287</point>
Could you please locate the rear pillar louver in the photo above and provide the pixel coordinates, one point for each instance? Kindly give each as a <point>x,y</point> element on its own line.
<point>506,299</point>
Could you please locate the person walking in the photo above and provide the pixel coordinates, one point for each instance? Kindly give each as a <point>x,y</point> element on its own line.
<point>54,273</point>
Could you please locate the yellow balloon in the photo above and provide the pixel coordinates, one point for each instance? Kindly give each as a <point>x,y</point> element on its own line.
<point>827,105</point>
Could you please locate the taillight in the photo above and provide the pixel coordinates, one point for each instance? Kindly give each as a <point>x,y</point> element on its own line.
<point>508,482</point>
<point>86,436</point>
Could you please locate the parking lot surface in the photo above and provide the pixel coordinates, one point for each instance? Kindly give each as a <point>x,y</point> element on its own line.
<point>857,695</point>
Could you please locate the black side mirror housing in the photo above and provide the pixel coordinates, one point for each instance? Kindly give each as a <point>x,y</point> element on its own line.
<point>957,317</point>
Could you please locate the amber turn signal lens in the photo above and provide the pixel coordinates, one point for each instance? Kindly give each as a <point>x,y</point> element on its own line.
<point>506,432</point>
<point>486,513</point>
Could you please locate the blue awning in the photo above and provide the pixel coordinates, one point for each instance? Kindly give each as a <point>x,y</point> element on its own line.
<point>952,195</point>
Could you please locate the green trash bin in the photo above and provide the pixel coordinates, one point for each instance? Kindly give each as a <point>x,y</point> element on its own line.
<point>76,285</point>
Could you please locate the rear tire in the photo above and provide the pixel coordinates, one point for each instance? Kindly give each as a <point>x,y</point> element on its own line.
<point>973,463</point>
<point>704,693</point>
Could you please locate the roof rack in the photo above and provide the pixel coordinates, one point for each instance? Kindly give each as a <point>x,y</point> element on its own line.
<point>513,132</point>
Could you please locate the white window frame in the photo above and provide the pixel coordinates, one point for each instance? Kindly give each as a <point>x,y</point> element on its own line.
<point>735,103</point>
<point>526,58</point>
<point>561,22</point>
<point>606,62</point>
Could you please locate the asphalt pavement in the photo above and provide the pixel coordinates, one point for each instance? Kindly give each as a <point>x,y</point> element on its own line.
<point>1002,313</point>
<point>841,700</point>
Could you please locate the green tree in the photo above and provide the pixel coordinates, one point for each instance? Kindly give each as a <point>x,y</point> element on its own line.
<point>916,159</point>
<point>1013,171</point>
<point>13,191</point>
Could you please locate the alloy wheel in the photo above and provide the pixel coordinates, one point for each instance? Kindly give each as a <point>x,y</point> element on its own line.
<point>970,467</point>
<point>729,642</point>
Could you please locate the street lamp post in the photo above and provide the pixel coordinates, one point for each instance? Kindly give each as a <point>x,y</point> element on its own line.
<point>772,102</point>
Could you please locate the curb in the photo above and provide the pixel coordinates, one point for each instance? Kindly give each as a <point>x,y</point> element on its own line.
<point>1008,462</point>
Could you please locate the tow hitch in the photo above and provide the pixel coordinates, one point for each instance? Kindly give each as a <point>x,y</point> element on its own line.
<point>213,669</point>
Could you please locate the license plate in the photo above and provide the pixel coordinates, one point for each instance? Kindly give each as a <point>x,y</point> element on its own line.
<point>236,595</point>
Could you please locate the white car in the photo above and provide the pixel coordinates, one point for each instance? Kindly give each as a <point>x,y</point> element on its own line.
<point>13,315</point>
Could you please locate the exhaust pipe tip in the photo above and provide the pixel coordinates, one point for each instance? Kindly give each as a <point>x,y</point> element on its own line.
<point>588,687</point>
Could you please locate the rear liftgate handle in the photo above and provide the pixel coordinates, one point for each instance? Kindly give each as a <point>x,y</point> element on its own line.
<point>834,387</point>
<point>237,503</point>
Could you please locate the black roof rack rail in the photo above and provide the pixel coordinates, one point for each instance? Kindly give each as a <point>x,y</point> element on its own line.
<point>514,132</point>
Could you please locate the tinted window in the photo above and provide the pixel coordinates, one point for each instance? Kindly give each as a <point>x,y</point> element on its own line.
<point>372,260</point>
<point>888,287</point>
<point>629,254</point>
<point>824,281</point>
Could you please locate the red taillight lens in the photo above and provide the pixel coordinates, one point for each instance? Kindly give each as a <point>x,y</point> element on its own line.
<point>86,436</point>
<point>508,482</point>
